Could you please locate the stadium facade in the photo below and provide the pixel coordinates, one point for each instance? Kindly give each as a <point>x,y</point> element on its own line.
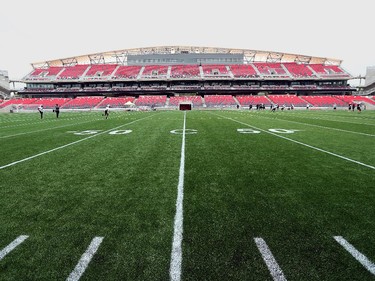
<point>186,70</point>
<point>4,84</point>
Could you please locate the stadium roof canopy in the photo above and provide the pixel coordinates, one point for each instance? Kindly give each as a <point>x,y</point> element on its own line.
<point>120,56</point>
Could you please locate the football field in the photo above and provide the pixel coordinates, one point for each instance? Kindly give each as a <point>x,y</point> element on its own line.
<point>198,195</point>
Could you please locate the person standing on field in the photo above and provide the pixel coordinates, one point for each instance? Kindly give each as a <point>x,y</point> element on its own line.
<point>41,109</point>
<point>57,110</point>
<point>106,112</point>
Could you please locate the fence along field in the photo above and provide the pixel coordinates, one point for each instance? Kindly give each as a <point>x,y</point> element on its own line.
<point>265,196</point>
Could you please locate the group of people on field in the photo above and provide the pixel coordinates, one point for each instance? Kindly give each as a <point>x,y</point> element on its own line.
<point>353,106</point>
<point>56,110</point>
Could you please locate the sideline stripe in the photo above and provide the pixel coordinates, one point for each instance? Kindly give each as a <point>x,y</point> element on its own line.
<point>301,143</point>
<point>85,259</point>
<point>176,255</point>
<point>356,254</point>
<point>275,270</point>
<point>12,246</point>
<point>69,144</point>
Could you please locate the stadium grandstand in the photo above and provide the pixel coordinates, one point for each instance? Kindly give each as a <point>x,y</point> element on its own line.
<point>369,87</point>
<point>165,76</point>
<point>4,84</point>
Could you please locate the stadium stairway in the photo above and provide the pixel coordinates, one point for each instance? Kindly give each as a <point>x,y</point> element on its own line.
<point>301,97</point>
<point>201,74</point>
<point>313,71</point>
<point>169,73</point>
<point>204,102</point>
<point>229,72</point>
<point>84,73</point>
<point>100,103</point>
<point>286,70</point>
<point>256,70</point>
<point>140,72</point>
<point>167,101</point>
<point>61,71</point>
<point>114,71</point>
<point>236,100</point>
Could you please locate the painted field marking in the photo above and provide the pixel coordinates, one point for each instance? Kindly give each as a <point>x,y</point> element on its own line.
<point>275,270</point>
<point>12,246</point>
<point>186,131</point>
<point>324,127</point>
<point>69,144</point>
<point>304,144</point>
<point>356,254</point>
<point>332,120</point>
<point>42,130</point>
<point>85,259</point>
<point>176,254</point>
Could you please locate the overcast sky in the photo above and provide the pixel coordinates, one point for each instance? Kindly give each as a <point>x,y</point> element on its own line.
<point>39,30</point>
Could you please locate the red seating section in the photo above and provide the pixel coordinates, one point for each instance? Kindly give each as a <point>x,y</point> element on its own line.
<point>51,102</point>
<point>22,101</point>
<point>210,101</point>
<point>355,99</point>
<point>253,100</point>
<point>196,100</point>
<point>287,100</point>
<point>328,70</point>
<point>185,71</point>
<point>215,70</point>
<point>116,102</point>
<point>151,101</point>
<point>129,72</point>
<point>99,70</point>
<point>83,102</point>
<point>271,69</point>
<point>73,72</point>
<point>46,72</point>
<point>222,100</point>
<point>299,70</point>
<point>296,70</point>
<point>323,101</point>
<point>243,71</point>
<point>155,71</point>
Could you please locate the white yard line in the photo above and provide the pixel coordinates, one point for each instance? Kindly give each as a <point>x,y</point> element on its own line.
<point>12,246</point>
<point>356,254</point>
<point>176,255</point>
<point>80,268</point>
<point>69,144</point>
<point>332,120</point>
<point>319,126</point>
<point>275,270</point>
<point>301,143</point>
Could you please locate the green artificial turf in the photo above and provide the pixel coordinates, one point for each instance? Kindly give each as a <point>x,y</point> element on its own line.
<point>123,187</point>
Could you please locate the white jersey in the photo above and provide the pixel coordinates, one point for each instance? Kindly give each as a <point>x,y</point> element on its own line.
<point>40,108</point>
